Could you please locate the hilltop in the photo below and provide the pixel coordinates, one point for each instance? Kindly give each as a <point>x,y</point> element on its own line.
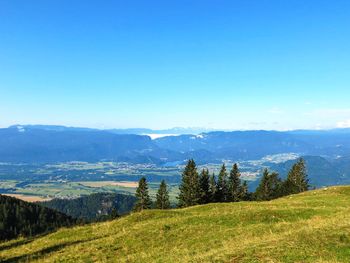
<point>308,227</point>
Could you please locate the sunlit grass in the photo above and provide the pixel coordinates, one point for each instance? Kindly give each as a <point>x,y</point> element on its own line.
<point>310,227</point>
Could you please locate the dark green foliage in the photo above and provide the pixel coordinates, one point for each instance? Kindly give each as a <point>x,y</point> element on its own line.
<point>162,201</point>
<point>20,218</point>
<point>296,181</point>
<point>114,214</point>
<point>269,187</point>
<point>243,193</point>
<point>222,194</point>
<point>234,185</point>
<point>189,187</point>
<point>212,188</point>
<point>143,199</point>
<point>204,187</point>
<point>93,207</point>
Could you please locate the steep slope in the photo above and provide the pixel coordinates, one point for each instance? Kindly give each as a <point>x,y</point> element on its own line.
<point>309,227</point>
<point>27,219</point>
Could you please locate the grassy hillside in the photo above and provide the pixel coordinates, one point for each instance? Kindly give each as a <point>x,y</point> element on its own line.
<point>309,227</point>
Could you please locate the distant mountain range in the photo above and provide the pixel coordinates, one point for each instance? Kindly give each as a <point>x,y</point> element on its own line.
<point>41,143</point>
<point>139,131</point>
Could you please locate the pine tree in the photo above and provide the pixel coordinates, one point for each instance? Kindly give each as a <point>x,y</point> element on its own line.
<point>204,187</point>
<point>162,201</point>
<point>189,187</point>
<point>243,193</point>
<point>297,180</point>
<point>143,199</point>
<point>234,184</point>
<point>212,189</point>
<point>269,186</point>
<point>222,186</point>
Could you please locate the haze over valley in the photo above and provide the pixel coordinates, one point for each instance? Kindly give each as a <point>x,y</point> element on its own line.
<point>49,162</point>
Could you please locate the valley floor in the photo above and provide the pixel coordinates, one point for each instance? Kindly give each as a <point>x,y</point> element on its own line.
<point>309,227</point>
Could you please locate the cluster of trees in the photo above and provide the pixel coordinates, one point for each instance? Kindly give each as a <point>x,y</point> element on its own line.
<point>144,200</point>
<point>202,188</point>
<point>20,218</point>
<point>271,186</point>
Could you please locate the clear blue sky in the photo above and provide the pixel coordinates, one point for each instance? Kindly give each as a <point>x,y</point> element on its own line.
<point>158,64</point>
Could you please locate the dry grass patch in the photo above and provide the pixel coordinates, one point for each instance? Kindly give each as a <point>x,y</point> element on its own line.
<point>29,198</point>
<point>127,184</point>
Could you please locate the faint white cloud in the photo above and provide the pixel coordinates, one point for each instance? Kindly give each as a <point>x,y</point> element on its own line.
<point>343,124</point>
<point>275,110</point>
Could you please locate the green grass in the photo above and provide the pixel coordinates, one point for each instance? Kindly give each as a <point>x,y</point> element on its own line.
<point>309,227</point>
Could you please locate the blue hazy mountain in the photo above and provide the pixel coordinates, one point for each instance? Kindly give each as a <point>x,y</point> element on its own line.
<point>33,144</point>
<point>41,143</point>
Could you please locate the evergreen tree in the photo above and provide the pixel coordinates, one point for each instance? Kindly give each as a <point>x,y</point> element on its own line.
<point>212,188</point>
<point>234,184</point>
<point>222,186</point>
<point>204,187</point>
<point>297,180</point>
<point>269,186</point>
<point>162,201</point>
<point>243,193</point>
<point>143,199</point>
<point>189,187</point>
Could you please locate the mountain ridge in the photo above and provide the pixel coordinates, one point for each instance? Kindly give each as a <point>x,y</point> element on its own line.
<point>57,144</point>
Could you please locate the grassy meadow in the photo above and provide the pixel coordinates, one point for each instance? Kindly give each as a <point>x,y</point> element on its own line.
<point>310,227</point>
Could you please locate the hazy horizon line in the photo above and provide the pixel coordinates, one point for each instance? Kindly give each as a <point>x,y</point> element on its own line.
<point>202,129</point>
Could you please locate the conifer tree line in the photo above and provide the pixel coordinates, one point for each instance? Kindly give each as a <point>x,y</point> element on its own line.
<point>144,201</point>
<point>202,188</point>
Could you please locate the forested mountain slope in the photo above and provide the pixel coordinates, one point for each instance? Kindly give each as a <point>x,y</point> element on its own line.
<point>20,218</point>
<point>94,206</point>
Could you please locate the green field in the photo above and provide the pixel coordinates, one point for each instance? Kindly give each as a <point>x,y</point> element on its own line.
<point>52,190</point>
<point>67,180</point>
<point>309,227</point>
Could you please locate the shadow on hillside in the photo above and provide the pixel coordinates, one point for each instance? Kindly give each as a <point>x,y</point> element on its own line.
<point>24,241</point>
<point>28,239</point>
<point>16,244</point>
<point>42,253</point>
